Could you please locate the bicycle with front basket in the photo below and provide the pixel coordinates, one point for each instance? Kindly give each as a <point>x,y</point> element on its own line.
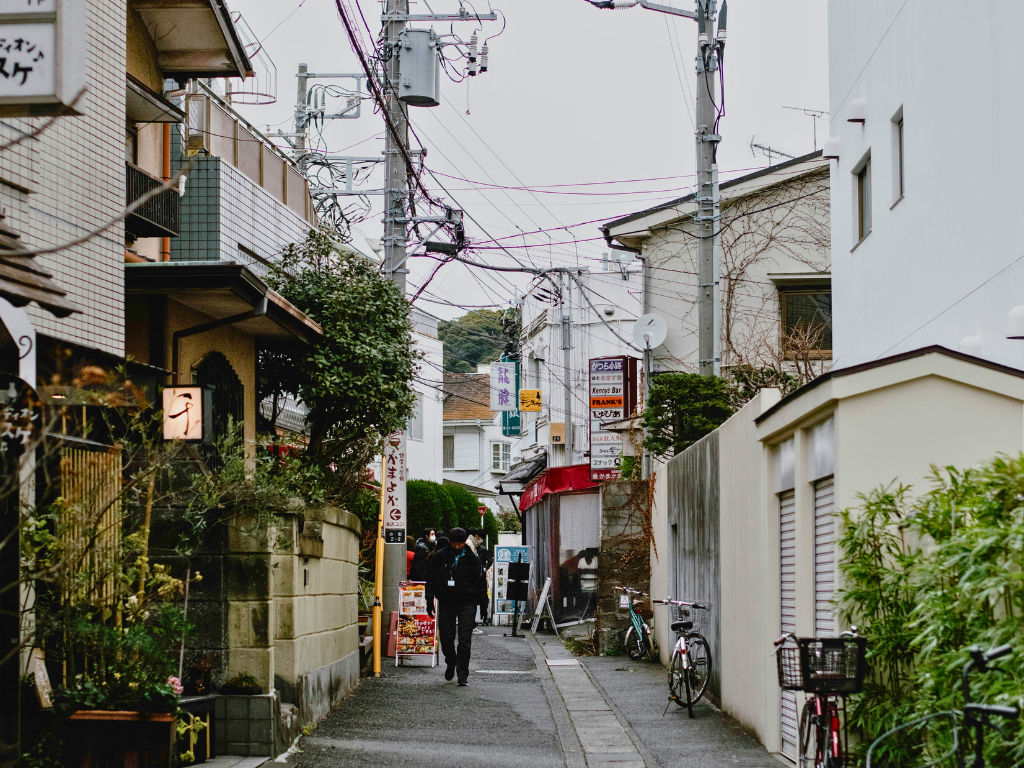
<point>829,669</point>
<point>974,715</point>
<point>638,637</point>
<point>690,668</point>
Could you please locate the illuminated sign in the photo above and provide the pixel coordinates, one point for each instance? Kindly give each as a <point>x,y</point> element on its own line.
<point>186,411</point>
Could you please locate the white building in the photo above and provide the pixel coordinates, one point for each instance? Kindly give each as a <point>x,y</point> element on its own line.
<point>423,437</point>
<point>927,241</point>
<point>476,452</point>
<point>616,295</point>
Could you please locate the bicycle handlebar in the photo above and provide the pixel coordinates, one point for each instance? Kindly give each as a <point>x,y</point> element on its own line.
<point>669,601</point>
<point>998,653</point>
<point>629,591</point>
<point>1010,713</point>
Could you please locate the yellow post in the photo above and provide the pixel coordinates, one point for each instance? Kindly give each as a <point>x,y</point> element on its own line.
<point>378,577</point>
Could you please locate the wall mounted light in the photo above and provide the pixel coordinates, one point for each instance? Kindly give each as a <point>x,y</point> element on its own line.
<point>1015,323</point>
<point>857,113</point>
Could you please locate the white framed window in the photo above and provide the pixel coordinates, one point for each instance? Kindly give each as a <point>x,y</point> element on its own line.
<point>501,456</point>
<point>448,449</point>
<point>467,450</point>
<point>898,180</point>
<point>415,429</point>
<point>862,191</point>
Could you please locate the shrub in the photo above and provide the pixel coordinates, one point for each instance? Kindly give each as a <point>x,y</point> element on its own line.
<point>429,504</point>
<point>466,512</point>
<point>681,409</point>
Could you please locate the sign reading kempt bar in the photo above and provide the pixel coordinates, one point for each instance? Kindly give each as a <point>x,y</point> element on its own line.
<point>42,57</point>
<point>612,398</point>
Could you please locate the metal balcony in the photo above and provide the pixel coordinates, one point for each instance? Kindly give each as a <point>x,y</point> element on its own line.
<point>158,216</point>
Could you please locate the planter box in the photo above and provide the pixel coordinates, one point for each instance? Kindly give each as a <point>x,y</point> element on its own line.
<point>112,739</point>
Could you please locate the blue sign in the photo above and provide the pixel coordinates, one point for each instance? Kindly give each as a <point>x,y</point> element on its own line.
<point>502,557</point>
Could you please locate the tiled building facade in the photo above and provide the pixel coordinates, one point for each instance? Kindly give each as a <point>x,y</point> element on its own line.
<point>69,181</point>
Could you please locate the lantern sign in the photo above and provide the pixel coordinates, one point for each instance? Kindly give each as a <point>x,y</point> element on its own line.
<point>21,420</point>
<point>186,413</point>
<point>503,387</point>
<point>42,56</point>
<point>395,475</point>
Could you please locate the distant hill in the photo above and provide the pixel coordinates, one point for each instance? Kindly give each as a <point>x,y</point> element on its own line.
<point>477,337</point>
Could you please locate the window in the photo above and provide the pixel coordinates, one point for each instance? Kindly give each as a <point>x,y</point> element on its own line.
<point>415,429</point>
<point>899,154</point>
<point>467,450</point>
<point>864,200</point>
<point>501,456</point>
<point>448,449</point>
<point>807,324</point>
<point>131,146</point>
<point>898,185</point>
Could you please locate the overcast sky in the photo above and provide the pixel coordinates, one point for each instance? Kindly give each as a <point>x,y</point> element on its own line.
<point>575,96</point>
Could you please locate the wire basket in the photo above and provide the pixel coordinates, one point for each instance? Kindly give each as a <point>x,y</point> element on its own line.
<point>701,617</point>
<point>829,665</point>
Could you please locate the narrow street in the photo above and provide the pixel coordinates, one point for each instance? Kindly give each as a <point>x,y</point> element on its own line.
<point>529,703</point>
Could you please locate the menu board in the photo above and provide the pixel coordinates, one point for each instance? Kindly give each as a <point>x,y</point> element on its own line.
<point>502,557</point>
<point>416,630</point>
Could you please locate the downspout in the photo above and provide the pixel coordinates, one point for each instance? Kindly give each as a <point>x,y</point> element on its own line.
<point>196,329</point>
<point>165,242</point>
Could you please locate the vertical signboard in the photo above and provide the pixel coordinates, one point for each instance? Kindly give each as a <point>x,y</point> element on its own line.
<point>42,56</point>
<point>612,398</point>
<point>503,556</point>
<point>416,629</point>
<point>512,421</point>
<point>395,475</point>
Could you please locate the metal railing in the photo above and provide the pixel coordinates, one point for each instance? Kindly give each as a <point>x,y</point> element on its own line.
<point>158,216</point>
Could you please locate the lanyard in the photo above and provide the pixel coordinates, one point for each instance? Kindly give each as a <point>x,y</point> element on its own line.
<point>451,570</point>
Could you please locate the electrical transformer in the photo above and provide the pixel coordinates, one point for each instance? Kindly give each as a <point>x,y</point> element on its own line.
<point>420,64</point>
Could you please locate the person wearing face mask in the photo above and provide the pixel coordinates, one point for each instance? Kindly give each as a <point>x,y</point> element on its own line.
<point>456,578</point>
<point>424,546</point>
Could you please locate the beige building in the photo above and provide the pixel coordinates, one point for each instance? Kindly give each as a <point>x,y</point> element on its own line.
<point>761,542</point>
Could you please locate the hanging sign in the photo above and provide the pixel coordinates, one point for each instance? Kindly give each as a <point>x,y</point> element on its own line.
<point>504,559</point>
<point>612,398</point>
<point>529,400</point>
<point>503,387</point>
<point>395,475</point>
<point>186,413</point>
<point>416,630</point>
<point>21,421</point>
<point>42,57</point>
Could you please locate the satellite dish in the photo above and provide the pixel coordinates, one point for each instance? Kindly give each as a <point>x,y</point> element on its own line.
<point>649,331</point>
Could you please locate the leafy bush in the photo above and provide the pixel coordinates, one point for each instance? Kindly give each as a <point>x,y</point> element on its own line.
<point>466,512</point>
<point>681,409</point>
<point>490,527</point>
<point>925,579</point>
<point>509,521</point>
<point>429,504</point>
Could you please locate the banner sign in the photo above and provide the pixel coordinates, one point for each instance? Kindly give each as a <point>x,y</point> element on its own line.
<point>503,387</point>
<point>502,557</point>
<point>395,475</point>
<point>612,398</point>
<point>512,421</point>
<point>416,630</point>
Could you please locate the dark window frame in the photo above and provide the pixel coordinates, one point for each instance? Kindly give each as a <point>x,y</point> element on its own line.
<point>822,353</point>
<point>863,174</point>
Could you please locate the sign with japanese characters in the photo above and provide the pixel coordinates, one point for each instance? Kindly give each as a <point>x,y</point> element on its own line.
<point>183,413</point>
<point>529,400</point>
<point>395,476</point>
<point>503,387</point>
<point>42,57</point>
<point>503,557</point>
<point>416,630</point>
<point>612,398</point>
<point>21,420</point>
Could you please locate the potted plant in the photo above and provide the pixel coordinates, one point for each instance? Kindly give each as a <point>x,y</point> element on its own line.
<point>242,685</point>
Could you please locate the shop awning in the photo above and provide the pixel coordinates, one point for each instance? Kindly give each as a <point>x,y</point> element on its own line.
<point>556,480</point>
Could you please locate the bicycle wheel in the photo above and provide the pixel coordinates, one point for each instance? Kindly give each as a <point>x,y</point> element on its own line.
<point>811,749</point>
<point>699,651</point>
<point>636,646</point>
<point>676,675</point>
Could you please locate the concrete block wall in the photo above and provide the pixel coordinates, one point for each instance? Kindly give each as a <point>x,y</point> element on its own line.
<point>246,725</point>
<point>621,560</point>
<point>70,180</point>
<point>316,645</point>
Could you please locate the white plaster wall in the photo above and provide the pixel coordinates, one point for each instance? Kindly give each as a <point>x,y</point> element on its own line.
<point>958,224</point>
<point>425,457</point>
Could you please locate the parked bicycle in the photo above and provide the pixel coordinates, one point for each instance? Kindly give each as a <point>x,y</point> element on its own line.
<point>638,637</point>
<point>690,668</point>
<point>975,716</point>
<point>830,669</point>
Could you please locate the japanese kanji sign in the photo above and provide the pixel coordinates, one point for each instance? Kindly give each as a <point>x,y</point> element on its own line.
<point>183,413</point>
<point>42,56</point>
<point>395,475</point>
<point>21,419</point>
<point>503,387</point>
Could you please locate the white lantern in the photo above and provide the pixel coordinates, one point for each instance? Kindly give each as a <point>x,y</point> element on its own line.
<point>184,413</point>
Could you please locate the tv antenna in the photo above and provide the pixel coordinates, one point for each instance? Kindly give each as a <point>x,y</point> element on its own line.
<point>815,115</point>
<point>767,151</point>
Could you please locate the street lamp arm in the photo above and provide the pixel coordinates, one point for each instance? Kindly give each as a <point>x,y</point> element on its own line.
<point>617,4</point>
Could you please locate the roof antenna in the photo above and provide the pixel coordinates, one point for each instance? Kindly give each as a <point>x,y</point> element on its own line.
<point>816,115</point>
<point>767,151</point>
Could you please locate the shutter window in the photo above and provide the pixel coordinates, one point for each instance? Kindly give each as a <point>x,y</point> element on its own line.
<point>467,451</point>
<point>787,622</point>
<point>448,449</point>
<point>824,557</point>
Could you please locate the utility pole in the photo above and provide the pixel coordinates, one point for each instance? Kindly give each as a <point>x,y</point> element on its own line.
<point>301,117</point>
<point>565,298</point>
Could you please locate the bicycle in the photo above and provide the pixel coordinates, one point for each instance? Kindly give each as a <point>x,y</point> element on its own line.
<point>638,637</point>
<point>690,668</point>
<point>828,668</point>
<point>976,716</point>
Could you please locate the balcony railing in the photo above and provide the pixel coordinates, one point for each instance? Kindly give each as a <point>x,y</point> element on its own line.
<point>158,216</point>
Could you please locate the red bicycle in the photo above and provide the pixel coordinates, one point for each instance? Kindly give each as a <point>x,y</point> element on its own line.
<point>828,668</point>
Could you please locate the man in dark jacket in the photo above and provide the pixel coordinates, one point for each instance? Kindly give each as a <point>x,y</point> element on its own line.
<point>456,579</point>
<point>424,546</point>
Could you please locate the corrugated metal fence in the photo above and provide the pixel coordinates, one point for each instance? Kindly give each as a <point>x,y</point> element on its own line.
<point>693,520</point>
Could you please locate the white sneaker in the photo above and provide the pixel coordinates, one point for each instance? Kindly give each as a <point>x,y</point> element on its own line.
<point>477,631</point>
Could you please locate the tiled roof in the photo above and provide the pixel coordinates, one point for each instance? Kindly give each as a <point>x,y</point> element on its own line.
<point>467,396</point>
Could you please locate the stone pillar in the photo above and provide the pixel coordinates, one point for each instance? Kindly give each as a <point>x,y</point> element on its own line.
<point>624,559</point>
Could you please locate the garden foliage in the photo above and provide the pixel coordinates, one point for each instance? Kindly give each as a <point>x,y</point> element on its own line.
<point>925,578</point>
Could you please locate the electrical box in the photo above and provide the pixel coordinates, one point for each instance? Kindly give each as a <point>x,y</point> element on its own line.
<point>557,433</point>
<point>419,60</point>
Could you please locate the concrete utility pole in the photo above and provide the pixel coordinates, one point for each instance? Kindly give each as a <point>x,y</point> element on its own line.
<point>396,195</point>
<point>565,298</point>
<point>301,118</point>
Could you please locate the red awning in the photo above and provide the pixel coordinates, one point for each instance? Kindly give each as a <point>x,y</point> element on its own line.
<point>556,480</point>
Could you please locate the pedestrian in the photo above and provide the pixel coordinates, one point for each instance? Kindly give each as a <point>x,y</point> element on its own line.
<point>409,556</point>
<point>477,537</point>
<point>456,578</point>
<point>424,546</point>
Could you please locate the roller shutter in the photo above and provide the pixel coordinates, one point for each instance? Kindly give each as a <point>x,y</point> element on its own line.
<point>824,558</point>
<point>787,623</point>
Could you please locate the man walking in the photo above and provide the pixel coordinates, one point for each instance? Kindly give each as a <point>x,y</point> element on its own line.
<point>456,579</point>
<point>424,546</point>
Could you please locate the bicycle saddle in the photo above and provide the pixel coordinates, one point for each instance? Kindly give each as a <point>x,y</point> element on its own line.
<point>681,626</point>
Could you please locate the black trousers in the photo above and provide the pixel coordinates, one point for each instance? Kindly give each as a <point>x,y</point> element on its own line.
<point>463,619</point>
